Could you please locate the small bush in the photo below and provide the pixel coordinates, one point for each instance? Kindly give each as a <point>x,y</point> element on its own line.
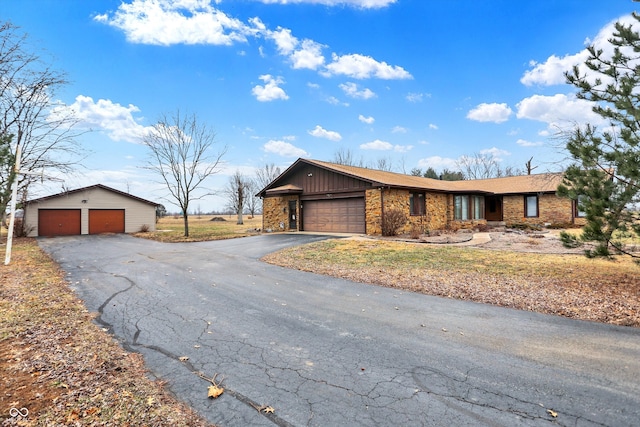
<point>144,228</point>
<point>416,231</point>
<point>392,221</point>
<point>482,227</point>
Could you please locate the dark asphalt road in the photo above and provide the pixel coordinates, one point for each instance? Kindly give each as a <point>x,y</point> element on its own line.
<point>328,352</point>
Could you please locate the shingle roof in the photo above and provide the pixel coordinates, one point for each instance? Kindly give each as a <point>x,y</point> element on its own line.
<point>104,187</point>
<point>538,183</point>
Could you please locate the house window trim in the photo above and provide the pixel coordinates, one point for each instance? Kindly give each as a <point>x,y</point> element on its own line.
<point>422,207</point>
<point>526,206</point>
<point>576,209</point>
<point>475,202</point>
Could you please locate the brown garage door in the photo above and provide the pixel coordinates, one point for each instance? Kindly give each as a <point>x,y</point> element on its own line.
<point>58,222</point>
<point>106,221</point>
<point>334,216</point>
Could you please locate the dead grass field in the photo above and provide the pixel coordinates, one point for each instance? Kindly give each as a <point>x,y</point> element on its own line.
<point>202,228</point>
<point>562,284</point>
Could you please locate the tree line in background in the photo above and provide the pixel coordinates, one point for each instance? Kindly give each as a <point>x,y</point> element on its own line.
<point>604,176</point>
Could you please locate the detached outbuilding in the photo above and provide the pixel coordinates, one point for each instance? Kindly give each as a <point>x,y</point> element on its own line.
<point>95,209</point>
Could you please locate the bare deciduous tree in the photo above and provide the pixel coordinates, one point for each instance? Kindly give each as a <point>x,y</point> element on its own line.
<point>345,157</point>
<point>266,175</point>
<point>237,192</point>
<point>483,166</point>
<point>180,152</point>
<point>42,127</point>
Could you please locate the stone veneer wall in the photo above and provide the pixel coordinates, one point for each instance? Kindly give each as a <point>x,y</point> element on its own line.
<point>274,214</point>
<point>454,224</point>
<point>435,219</point>
<point>372,211</point>
<point>551,210</point>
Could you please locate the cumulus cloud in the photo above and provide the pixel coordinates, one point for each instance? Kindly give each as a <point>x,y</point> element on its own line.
<point>438,163</point>
<point>496,113</point>
<point>271,91</point>
<point>364,4</point>
<point>379,145</point>
<point>164,22</point>
<point>433,126</point>
<point>497,153</point>
<point>368,120</point>
<point>284,149</point>
<point>551,71</point>
<point>559,109</point>
<point>309,56</point>
<point>168,22</point>
<point>352,90</point>
<point>115,120</point>
<point>399,129</point>
<point>364,67</point>
<point>320,132</point>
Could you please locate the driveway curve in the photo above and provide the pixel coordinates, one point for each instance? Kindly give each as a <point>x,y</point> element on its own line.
<point>321,351</point>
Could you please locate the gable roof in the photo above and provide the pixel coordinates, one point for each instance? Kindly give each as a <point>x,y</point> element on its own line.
<point>92,187</point>
<point>538,183</point>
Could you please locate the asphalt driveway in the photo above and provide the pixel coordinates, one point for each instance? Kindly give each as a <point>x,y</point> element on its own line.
<point>329,352</point>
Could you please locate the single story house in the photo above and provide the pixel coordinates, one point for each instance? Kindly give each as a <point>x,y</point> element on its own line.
<point>313,195</point>
<point>90,210</point>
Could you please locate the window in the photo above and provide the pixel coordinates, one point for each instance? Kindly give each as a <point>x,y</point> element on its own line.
<point>468,207</point>
<point>417,204</point>
<point>530,206</point>
<point>580,213</point>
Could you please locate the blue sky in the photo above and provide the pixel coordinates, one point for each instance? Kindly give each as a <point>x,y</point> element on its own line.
<point>418,83</point>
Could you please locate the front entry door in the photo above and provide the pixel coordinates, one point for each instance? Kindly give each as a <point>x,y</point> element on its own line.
<point>493,208</point>
<point>293,214</point>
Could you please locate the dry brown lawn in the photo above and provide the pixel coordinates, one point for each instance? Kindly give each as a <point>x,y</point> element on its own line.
<point>525,278</point>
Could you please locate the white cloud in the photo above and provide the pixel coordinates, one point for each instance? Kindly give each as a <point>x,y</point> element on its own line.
<point>417,97</point>
<point>496,113</point>
<point>557,110</point>
<point>166,22</point>
<point>363,67</point>
<point>351,89</point>
<point>320,132</point>
<point>368,120</point>
<point>438,163</point>
<point>284,149</point>
<point>525,143</point>
<point>379,145</point>
<point>433,126</point>
<point>364,4</point>
<point>399,129</point>
<point>270,91</point>
<point>285,41</point>
<point>496,153</point>
<point>115,120</point>
<point>551,72</point>
<point>308,57</point>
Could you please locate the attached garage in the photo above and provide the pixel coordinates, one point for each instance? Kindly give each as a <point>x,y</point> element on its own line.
<point>59,222</point>
<point>334,216</point>
<point>106,221</point>
<point>90,210</point>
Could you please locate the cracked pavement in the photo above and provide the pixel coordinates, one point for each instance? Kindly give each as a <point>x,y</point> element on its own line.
<point>329,352</point>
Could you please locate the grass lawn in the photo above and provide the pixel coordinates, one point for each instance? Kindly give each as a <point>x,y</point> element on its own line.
<point>202,228</point>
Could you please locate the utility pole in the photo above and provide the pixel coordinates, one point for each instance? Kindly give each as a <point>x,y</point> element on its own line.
<point>14,197</point>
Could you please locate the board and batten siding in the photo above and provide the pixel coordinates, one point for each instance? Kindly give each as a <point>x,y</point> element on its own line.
<point>137,213</point>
